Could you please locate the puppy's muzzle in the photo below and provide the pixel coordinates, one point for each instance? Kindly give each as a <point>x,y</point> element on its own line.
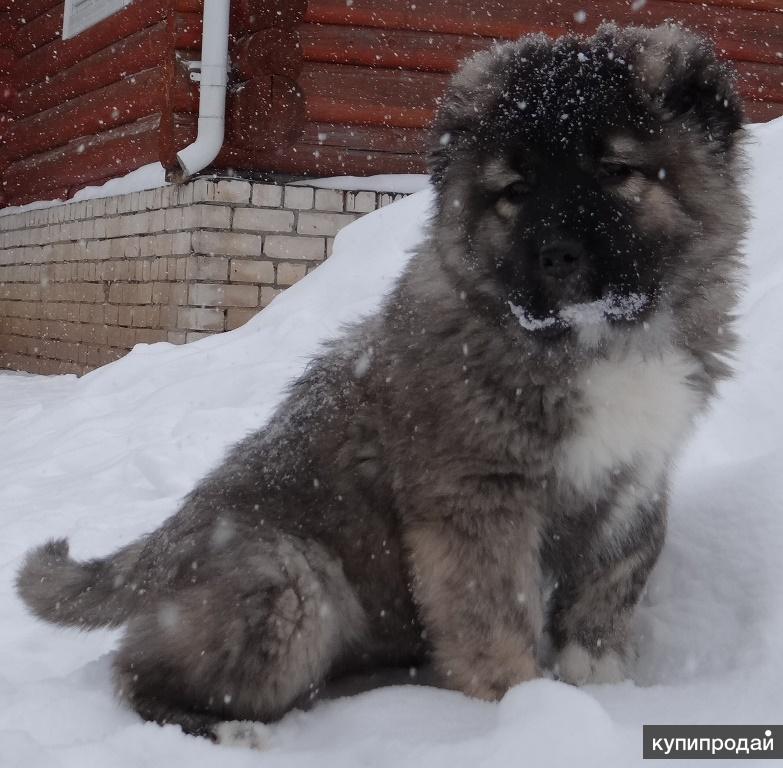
<point>560,259</point>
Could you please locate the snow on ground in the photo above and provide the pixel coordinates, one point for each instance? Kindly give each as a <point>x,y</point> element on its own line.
<point>104,458</point>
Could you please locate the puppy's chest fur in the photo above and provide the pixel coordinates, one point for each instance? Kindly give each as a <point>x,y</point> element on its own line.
<point>631,410</point>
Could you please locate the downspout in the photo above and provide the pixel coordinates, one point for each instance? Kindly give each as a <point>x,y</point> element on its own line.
<point>212,90</point>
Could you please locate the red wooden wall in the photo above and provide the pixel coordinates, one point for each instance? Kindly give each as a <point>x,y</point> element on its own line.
<point>95,106</point>
<point>318,86</point>
<point>372,69</point>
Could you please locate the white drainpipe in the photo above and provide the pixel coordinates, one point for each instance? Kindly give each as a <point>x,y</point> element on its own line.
<point>212,90</point>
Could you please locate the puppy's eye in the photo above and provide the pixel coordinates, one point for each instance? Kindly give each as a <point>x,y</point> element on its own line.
<point>515,192</point>
<point>614,172</point>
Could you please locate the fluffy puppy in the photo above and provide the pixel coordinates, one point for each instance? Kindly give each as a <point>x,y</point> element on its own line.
<point>478,474</point>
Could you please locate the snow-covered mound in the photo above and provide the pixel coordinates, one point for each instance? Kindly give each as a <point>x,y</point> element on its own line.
<point>148,176</point>
<point>106,457</point>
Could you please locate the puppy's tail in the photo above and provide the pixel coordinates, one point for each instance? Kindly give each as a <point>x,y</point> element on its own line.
<point>94,593</point>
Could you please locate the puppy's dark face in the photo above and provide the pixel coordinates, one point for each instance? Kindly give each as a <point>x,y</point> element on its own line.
<point>573,169</point>
<point>560,225</point>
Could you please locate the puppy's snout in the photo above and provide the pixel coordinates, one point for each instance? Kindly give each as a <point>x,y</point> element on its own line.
<point>561,258</point>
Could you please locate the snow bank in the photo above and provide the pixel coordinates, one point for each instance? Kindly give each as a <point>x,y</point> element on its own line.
<point>106,457</point>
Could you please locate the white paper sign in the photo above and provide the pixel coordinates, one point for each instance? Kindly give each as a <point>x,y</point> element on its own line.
<point>82,14</point>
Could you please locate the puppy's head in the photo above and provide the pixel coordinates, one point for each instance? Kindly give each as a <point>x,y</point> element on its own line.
<point>590,172</point>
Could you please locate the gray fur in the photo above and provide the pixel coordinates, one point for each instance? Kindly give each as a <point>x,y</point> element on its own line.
<point>86,595</point>
<point>444,483</point>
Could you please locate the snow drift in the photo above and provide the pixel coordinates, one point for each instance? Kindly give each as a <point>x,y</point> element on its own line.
<point>104,458</point>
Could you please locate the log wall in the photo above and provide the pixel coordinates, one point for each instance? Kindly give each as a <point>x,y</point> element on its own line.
<point>373,69</point>
<point>318,87</point>
<point>96,106</point>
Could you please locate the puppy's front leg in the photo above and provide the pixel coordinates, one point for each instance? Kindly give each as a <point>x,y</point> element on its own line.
<point>596,593</point>
<point>476,580</point>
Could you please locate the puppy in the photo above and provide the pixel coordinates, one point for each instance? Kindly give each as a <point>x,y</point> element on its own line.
<point>477,475</point>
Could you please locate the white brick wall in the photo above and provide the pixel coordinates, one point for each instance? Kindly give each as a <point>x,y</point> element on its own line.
<point>292,247</point>
<point>298,197</point>
<point>361,202</point>
<point>81,283</point>
<point>263,220</point>
<point>322,223</point>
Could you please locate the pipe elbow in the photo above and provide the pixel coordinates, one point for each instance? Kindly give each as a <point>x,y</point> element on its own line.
<point>204,149</point>
<point>212,90</point>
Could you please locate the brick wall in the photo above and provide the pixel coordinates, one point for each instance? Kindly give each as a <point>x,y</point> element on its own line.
<point>81,283</point>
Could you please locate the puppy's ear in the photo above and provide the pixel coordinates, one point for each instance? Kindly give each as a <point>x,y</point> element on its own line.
<point>680,72</point>
<point>466,99</point>
<point>474,91</point>
<point>439,152</point>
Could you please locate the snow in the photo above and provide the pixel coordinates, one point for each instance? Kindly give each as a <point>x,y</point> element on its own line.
<point>530,322</point>
<point>153,175</point>
<point>406,183</point>
<point>149,176</point>
<point>104,458</point>
<point>585,313</point>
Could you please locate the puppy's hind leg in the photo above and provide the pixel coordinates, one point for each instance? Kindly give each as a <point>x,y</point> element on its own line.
<point>240,640</point>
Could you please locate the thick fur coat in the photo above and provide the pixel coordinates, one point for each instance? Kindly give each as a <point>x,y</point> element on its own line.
<point>477,475</point>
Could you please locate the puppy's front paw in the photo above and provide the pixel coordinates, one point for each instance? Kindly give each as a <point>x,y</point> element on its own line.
<point>242,733</point>
<point>576,665</point>
<point>491,680</point>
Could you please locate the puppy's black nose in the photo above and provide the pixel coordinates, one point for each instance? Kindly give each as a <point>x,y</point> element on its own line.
<point>561,258</point>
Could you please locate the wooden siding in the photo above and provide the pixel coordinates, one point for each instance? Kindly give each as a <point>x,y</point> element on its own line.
<point>375,63</point>
<point>318,87</point>
<point>87,108</point>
